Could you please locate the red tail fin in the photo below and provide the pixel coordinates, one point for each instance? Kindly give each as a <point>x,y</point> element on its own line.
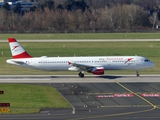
<point>17,50</point>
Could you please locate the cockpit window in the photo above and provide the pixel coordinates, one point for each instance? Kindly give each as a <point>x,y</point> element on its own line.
<point>146,60</point>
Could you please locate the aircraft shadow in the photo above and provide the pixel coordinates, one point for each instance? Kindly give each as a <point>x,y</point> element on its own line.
<point>101,77</point>
<point>110,77</point>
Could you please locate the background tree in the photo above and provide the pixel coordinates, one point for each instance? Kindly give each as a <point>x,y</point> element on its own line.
<point>75,5</point>
<point>3,19</point>
<point>153,19</point>
<point>6,6</point>
<point>82,16</point>
<point>46,3</point>
<point>33,8</point>
<point>134,13</point>
<point>109,17</point>
<point>49,4</point>
<point>17,8</point>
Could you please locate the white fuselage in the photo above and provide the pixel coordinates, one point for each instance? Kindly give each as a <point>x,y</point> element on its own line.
<point>64,63</point>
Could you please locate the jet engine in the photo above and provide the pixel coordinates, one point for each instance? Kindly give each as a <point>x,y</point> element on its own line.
<point>96,71</point>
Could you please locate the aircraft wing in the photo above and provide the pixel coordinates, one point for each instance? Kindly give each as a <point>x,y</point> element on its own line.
<point>83,67</point>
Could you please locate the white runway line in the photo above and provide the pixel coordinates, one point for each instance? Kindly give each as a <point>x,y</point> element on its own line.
<point>85,40</point>
<point>23,79</point>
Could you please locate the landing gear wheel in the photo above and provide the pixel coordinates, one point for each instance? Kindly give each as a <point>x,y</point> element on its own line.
<point>81,75</point>
<point>137,73</point>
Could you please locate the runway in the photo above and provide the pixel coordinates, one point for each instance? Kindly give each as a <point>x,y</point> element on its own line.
<point>117,97</point>
<point>76,79</point>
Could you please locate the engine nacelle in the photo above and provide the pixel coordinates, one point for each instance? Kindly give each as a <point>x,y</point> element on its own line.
<point>97,71</point>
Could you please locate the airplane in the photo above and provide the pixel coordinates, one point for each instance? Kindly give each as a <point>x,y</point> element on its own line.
<point>92,64</point>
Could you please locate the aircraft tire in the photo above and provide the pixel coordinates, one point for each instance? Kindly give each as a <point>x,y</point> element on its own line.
<point>81,75</point>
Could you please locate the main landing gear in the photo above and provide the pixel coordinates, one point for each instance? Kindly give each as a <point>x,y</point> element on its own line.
<point>81,75</point>
<point>137,73</point>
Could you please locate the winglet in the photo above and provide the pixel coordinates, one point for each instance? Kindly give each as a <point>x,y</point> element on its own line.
<point>17,50</point>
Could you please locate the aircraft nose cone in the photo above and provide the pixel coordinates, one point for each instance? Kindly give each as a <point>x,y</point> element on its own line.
<point>152,64</point>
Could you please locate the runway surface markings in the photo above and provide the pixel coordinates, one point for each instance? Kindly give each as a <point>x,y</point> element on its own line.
<point>124,93</point>
<point>137,95</point>
<point>125,113</point>
<point>113,115</point>
<point>126,106</point>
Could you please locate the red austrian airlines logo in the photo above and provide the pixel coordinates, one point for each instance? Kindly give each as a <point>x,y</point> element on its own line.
<point>129,59</point>
<point>69,63</point>
<point>14,47</point>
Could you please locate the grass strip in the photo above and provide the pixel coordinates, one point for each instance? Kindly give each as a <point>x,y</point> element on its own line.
<point>26,99</point>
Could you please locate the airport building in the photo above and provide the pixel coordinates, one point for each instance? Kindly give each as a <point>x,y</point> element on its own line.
<point>25,6</point>
<point>7,1</point>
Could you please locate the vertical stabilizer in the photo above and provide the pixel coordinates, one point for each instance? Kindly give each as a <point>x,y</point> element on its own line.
<point>17,50</point>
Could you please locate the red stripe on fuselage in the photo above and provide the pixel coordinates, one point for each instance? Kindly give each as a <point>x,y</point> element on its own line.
<point>11,40</point>
<point>22,55</point>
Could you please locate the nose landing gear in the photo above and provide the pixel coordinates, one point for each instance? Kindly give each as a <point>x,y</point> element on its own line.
<point>137,73</point>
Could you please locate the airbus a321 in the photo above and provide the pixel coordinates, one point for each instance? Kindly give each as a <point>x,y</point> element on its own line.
<point>95,65</point>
